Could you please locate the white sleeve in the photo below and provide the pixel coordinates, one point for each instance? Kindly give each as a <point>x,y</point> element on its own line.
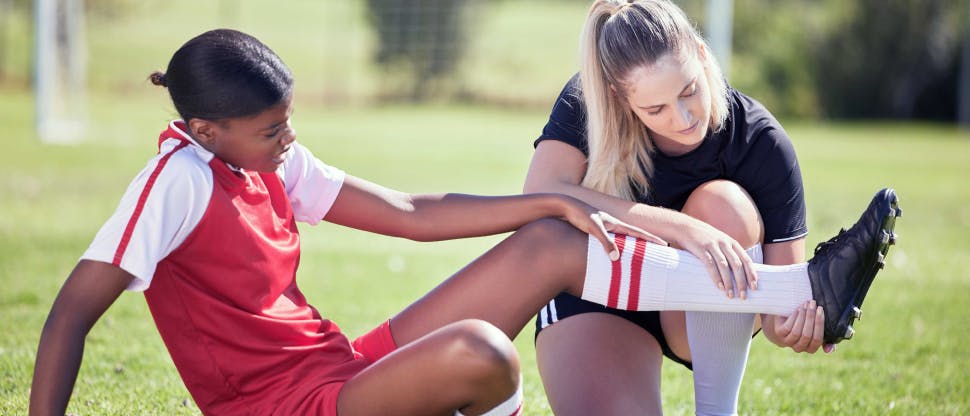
<point>161,207</point>
<point>311,185</point>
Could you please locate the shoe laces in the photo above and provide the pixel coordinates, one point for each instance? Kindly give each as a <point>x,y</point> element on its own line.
<point>822,247</point>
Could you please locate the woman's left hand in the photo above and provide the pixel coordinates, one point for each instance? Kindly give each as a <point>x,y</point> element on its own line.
<point>597,223</point>
<point>801,331</point>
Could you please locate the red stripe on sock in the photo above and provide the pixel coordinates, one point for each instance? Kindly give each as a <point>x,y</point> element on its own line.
<point>518,411</point>
<point>636,267</point>
<point>130,228</point>
<point>617,275</point>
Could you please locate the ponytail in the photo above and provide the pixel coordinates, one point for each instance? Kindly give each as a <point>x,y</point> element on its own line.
<point>619,155</point>
<point>620,36</point>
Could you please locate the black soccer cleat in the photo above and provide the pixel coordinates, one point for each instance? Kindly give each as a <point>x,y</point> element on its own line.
<point>844,267</point>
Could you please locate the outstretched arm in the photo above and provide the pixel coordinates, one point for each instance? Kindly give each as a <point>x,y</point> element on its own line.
<point>432,217</point>
<point>89,290</point>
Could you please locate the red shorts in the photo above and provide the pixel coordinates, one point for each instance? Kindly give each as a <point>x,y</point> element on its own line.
<point>322,399</point>
<point>375,344</point>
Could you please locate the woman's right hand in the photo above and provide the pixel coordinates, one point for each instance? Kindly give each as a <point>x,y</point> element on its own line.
<point>727,262</point>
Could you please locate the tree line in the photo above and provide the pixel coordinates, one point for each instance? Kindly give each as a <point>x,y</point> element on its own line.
<point>867,59</point>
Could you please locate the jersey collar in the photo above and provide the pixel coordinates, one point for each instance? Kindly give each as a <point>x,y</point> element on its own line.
<point>179,131</point>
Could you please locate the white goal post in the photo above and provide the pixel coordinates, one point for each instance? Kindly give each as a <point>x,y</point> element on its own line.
<point>720,23</point>
<point>59,70</point>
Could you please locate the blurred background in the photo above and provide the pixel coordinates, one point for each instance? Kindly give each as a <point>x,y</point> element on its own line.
<point>448,95</point>
<point>828,59</point>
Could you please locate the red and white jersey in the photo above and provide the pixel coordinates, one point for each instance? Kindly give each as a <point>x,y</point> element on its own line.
<point>216,251</point>
<point>179,195</point>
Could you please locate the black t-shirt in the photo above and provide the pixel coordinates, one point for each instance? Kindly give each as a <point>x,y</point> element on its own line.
<point>752,150</point>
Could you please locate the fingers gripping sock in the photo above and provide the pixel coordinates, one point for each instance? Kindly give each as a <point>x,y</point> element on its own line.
<point>650,277</point>
<point>510,407</point>
<point>719,345</point>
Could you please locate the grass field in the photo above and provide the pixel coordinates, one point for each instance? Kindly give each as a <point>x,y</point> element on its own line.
<point>911,354</point>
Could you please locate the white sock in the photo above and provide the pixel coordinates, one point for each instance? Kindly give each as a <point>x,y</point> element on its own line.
<point>719,344</point>
<point>510,407</point>
<point>650,277</point>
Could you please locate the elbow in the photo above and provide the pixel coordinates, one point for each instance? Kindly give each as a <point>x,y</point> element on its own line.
<point>530,188</point>
<point>415,227</point>
<point>405,219</point>
<point>421,238</point>
<point>536,187</point>
<point>414,232</point>
<point>540,187</point>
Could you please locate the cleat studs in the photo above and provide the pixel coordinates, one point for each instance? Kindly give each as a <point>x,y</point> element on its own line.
<point>884,237</point>
<point>849,332</point>
<point>899,212</point>
<point>881,259</point>
<point>892,239</point>
<point>856,312</point>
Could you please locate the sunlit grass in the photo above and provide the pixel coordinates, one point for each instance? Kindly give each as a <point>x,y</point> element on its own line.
<point>910,356</point>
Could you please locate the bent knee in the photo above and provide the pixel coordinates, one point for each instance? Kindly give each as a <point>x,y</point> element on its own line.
<point>725,205</point>
<point>553,241</point>
<point>548,229</point>
<point>485,351</point>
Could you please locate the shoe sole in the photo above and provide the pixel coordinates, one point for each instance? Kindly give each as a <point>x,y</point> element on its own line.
<point>886,238</point>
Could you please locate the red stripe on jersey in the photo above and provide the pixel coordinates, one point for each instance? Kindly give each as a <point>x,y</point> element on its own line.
<point>130,228</point>
<point>636,267</point>
<point>617,276</point>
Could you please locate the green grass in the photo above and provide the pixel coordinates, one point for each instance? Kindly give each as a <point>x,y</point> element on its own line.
<point>911,355</point>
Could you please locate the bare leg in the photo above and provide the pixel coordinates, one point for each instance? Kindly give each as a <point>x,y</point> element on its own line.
<point>506,286</point>
<point>472,365</point>
<point>600,364</point>
<point>469,365</point>
<point>510,283</point>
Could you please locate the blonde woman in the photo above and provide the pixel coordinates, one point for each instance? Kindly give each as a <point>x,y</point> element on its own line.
<point>650,132</point>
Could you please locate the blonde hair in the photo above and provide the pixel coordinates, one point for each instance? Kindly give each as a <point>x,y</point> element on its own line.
<point>619,37</point>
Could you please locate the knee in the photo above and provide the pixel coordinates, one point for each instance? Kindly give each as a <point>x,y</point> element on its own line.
<point>486,355</point>
<point>551,239</point>
<point>728,207</point>
<point>547,229</point>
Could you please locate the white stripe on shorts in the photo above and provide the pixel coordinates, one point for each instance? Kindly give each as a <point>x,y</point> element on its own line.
<point>548,315</point>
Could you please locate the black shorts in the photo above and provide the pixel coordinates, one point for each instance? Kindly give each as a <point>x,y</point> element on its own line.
<point>566,305</point>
